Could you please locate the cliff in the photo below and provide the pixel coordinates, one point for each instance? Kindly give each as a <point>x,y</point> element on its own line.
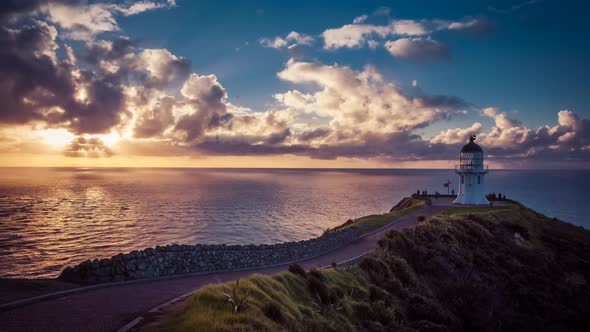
<point>466,269</point>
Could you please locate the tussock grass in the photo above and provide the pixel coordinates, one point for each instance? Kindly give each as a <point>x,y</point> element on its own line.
<point>459,210</point>
<point>282,302</point>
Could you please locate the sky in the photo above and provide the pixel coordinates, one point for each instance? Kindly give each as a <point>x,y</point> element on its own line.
<point>388,84</point>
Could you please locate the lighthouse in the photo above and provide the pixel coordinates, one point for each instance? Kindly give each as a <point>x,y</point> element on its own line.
<point>471,173</point>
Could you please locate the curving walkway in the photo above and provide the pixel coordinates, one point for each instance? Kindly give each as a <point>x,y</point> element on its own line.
<point>111,308</point>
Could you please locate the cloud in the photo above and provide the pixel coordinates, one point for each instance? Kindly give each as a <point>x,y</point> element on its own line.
<point>471,26</point>
<point>154,122</point>
<point>361,104</point>
<point>514,7</point>
<point>417,48</point>
<point>292,39</point>
<point>82,21</point>
<point>90,147</point>
<point>382,11</point>
<point>149,96</point>
<point>359,34</point>
<point>35,86</point>
<point>356,35</point>
<point>373,44</point>
<point>501,118</point>
<point>206,104</point>
<point>105,52</point>
<point>163,66</point>
<point>360,19</point>
<point>456,136</point>
<point>568,140</point>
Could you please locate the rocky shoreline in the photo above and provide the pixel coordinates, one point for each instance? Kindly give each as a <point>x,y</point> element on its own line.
<point>181,259</point>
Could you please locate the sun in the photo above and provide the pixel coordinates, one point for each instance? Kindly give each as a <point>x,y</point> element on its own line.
<point>56,137</point>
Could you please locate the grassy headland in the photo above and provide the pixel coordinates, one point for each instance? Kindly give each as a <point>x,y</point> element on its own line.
<point>375,221</point>
<point>468,269</point>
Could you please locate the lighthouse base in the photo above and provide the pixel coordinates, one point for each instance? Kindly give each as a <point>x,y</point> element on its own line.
<point>471,188</point>
<point>479,201</point>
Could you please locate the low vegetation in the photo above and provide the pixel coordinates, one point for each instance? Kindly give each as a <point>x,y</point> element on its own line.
<point>376,221</point>
<point>457,210</point>
<point>510,270</point>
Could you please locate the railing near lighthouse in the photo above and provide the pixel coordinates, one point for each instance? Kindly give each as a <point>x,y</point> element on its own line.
<point>474,167</point>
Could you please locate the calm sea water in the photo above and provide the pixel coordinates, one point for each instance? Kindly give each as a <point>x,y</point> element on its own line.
<point>51,218</point>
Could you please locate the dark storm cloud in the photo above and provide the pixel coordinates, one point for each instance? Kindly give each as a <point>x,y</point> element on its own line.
<point>237,148</point>
<point>13,9</point>
<point>313,134</point>
<point>280,137</point>
<point>398,146</point>
<point>108,51</point>
<point>35,86</point>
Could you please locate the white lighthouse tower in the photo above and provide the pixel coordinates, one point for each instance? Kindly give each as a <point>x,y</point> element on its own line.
<point>471,175</point>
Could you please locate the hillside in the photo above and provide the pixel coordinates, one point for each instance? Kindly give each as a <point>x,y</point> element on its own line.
<point>468,269</point>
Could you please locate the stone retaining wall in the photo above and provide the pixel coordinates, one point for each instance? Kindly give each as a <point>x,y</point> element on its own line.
<point>178,259</point>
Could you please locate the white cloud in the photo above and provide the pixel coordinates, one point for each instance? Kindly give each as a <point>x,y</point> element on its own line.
<point>294,38</point>
<point>360,19</point>
<point>356,35</point>
<point>417,48</point>
<point>203,87</point>
<point>457,135</point>
<point>373,44</point>
<point>569,139</point>
<point>82,22</point>
<point>360,102</point>
<point>501,118</point>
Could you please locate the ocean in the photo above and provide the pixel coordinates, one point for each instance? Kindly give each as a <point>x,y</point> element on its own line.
<point>54,217</point>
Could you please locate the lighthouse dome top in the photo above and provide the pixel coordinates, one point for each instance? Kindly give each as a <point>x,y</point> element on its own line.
<point>471,146</point>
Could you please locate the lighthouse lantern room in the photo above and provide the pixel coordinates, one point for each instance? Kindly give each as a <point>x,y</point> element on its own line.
<point>471,173</point>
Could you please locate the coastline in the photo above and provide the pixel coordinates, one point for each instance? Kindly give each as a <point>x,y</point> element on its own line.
<point>119,304</point>
<point>464,269</point>
<point>65,286</point>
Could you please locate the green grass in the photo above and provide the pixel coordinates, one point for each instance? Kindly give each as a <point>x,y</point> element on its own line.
<point>469,269</point>
<point>281,302</point>
<point>457,210</point>
<point>372,222</point>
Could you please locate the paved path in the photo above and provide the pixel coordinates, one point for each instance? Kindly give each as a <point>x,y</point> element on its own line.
<point>108,309</point>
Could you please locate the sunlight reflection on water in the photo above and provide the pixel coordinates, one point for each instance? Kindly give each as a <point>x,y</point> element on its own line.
<point>51,218</point>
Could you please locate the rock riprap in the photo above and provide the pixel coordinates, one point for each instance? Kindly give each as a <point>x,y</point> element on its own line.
<point>179,259</point>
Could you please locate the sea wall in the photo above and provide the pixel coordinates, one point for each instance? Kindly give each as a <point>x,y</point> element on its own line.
<point>179,259</point>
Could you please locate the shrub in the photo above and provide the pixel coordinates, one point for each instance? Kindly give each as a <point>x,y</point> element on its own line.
<point>236,297</point>
<point>273,311</point>
<point>362,311</point>
<point>381,312</point>
<point>376,270</point>
<point>315,273</point>
<point>423,308</point>
<point>319,290</point>
<point>421,218</point>
<point>378,294</point>
<point>296,269</point>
